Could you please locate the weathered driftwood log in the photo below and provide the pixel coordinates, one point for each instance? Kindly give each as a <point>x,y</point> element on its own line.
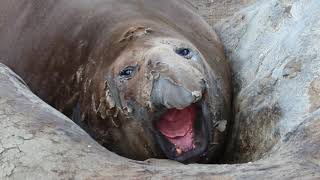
<point>275,56</point>
<point>274,52</point>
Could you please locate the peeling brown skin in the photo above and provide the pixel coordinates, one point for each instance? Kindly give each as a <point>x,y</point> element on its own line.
<point>71,52</point>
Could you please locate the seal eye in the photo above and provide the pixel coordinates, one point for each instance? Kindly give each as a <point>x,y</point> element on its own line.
<point>127,72</point>
<point>185,52</point>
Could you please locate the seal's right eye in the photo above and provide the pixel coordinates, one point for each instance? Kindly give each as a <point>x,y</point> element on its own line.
<point>127,72</point>
<point>185,52</point>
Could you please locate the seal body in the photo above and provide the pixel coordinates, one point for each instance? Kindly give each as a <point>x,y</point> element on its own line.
<point>145,78</point>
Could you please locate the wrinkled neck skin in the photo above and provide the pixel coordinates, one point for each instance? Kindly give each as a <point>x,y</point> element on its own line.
<point>162,80</point>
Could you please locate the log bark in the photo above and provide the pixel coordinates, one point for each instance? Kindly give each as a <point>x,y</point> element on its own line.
<point>215,10</point>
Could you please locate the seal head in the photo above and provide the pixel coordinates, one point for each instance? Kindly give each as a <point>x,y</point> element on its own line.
<point>166,89</point>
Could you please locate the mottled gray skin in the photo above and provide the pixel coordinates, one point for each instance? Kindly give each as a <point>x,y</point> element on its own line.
<point>70,53</point>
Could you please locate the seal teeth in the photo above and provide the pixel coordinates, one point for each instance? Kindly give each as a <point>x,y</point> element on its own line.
<point>178,151</point>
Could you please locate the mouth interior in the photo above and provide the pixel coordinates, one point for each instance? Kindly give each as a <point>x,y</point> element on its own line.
<point>177,126</point>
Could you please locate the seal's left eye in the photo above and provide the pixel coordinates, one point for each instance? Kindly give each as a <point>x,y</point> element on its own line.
<point>127,72</point>
<point>185,52</point>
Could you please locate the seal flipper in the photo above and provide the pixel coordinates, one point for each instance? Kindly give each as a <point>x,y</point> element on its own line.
<point>76,114</point>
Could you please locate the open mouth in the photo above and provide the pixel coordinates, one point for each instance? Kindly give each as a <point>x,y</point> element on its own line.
<point>183,134</point>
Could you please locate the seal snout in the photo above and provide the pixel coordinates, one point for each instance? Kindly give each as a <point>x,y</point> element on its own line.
<point>182,128</point>
<point>177,85</point>
<point>171,95</point>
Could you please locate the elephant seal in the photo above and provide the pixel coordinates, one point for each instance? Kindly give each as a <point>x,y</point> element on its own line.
<point>145,78</point>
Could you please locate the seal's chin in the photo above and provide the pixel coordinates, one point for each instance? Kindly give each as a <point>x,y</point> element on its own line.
<point>183,135</point>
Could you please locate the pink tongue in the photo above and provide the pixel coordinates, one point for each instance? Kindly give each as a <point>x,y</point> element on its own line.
<point>177,126</point>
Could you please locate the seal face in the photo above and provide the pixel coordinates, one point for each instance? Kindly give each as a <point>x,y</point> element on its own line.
<point>162,82</point>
